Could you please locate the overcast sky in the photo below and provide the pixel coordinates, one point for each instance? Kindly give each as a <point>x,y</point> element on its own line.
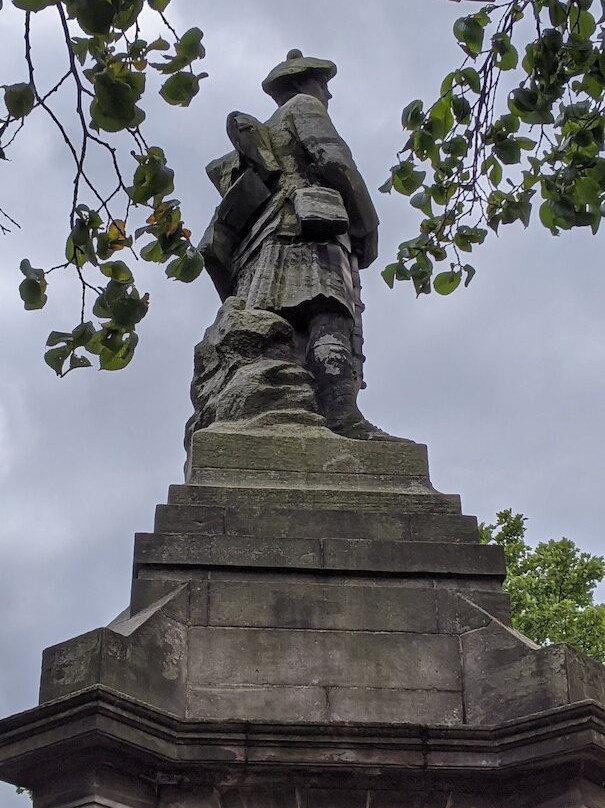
<point>503,381</point>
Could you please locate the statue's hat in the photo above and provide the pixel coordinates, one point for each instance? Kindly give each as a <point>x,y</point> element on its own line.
<point>297,65</point>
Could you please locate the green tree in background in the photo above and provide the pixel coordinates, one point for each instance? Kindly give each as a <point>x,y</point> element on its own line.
<point>551,587</point>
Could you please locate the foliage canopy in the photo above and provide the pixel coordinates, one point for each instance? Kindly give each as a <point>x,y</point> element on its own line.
<point>107,62</point>
<point>473,160</point>
<point>551,587</point>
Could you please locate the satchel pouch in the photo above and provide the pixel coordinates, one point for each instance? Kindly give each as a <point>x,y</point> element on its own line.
<point>320,212</point>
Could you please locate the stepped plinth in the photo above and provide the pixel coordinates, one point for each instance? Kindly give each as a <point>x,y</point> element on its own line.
<point>311,625</point>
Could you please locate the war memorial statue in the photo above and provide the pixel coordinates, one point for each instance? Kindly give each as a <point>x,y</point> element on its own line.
<point>311,624</point>
<point>295,226</point>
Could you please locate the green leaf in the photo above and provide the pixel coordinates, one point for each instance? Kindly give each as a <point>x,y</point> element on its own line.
<point>447,282</point>
<point>441,118</point>
<point>19,99</point>
<point>389,273</point>
<point>32,293</point>
<point>153,252</point>
<point>189,46</point>
<point>114,106</point>
<point>78,362</point>
<point>30,272</point>
<point>456,147</point>
<point>461,109</point>
<point>412,116</point>
<point>55,337</point>
<point>180,89</point>
<point>526,143</point>
<point>117,271</point>
<point>469,33</point>
<point>81,334</point>
<point>558,13</point>
<point>471,77</point>
<point>406,180</point>
<point>522,100</point>
<point>508,151</point>
<point>94,16</point>
<point>152,177</point>
<point>422,201</point>
<point>186,268</point>
<point>119,359</point>
<point>158,5</point>
<point>506,53</point>
<point>581,22</point>
<point>55,358</point>
<point>74,254</point>
<point>33,5</point>
<point>495,175</point>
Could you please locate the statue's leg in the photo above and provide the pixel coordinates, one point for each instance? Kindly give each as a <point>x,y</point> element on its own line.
<point>330,360</point>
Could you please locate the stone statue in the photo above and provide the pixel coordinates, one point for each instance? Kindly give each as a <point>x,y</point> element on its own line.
<point>295,225</point>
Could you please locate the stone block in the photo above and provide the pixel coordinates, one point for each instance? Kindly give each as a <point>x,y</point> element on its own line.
<point>354,606</point>
<point>190,549</point>
<point>397,706</point>
<point>259,796</point>
<point>146,592</point>
<point>414,557</point>
<point>506,676</point>
<point>183,797</point>
<point>325,452</point>
<point>201,520</point>
<point>263,703</point>
<point>144,657</point>
<point>458,614</point>
<point>294,522</point>
<point>82,784</point>
<point>332,798</point>
<point>421,501</point>
<point>311,480</point>
<point>586,677</point>
<point>407,798</point>
<point>234,656</point>
<point>443,528</point>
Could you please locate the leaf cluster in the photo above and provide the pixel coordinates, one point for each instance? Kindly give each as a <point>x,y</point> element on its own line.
<point>108,65</point>
<point>470,166</point>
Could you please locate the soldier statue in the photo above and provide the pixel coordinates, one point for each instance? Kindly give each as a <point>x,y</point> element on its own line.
<point>295,225</point>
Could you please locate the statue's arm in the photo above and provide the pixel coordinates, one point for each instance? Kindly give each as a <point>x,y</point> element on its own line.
<point>330,159</point>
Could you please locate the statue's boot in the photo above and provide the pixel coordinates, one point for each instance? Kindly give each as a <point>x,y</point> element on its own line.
<point>330,360</point>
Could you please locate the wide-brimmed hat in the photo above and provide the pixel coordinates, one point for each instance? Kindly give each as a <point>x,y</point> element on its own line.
<point>297,65</point>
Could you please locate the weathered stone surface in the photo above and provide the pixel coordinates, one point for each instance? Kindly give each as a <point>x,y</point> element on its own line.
<point>145,657</point>
<point>240,656</point>
<point>523,678</point>
<point>94,786</point>
<point>306,451</point>
<point>206,551</point>
<point>396,706</point>
<point>465,560</point>
<point>356,606</point>
<point>421,500</point>
<point>360,555</point>
<point>245,367</point>
<point>263,703</point>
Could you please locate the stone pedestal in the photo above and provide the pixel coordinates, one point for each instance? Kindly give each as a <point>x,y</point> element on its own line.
<point>311,625</point>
